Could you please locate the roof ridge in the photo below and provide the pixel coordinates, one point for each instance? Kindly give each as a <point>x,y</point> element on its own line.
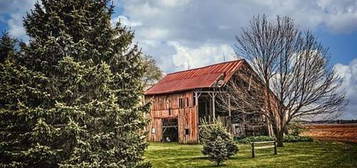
<point>201,77</point>
<point>205,66</point>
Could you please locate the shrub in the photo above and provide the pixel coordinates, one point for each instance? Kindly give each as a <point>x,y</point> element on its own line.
<point>255,139</point>
<point>296,128</point>
<point>217,143</point>
<point>293,138</point>
<point>216,150</point>
<point>287,138</point>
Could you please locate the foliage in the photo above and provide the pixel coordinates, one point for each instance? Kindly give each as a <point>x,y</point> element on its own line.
<point>296,128</point>
<point>7,47</point>
<point>216,150</point>
<point>294,138</point>
<point>287,138</point>
<point>152,71</point>
<point>294,155</point>
<point>71,97</point>
<point>217,143</point>
<point>255,139</point>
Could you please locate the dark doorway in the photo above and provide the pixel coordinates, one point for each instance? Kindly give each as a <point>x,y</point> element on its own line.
<point>204,105</point>
<point>169,130</point>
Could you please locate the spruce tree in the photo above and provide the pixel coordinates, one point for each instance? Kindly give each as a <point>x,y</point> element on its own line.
<point>72,96</point>
<point>216,150</point>
<point>7,47</point>
<point>217,143</point>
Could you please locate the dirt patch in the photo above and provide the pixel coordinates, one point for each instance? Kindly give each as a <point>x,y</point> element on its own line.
<point>335,132</point>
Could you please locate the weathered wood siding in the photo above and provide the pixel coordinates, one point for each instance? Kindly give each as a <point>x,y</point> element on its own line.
<point>168,106</point>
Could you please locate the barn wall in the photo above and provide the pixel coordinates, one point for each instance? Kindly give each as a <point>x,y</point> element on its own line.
<point>167,106</point>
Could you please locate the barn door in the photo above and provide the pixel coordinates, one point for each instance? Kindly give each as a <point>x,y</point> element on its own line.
<point>169,130</point>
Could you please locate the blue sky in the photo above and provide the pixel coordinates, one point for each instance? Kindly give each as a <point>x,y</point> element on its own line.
<point>342,47</point>
<point>190,33</point>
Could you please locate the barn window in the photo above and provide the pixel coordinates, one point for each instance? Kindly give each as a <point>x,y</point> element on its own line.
<point>153,131</point>
<point>187,102</point>
<point>187,131</point>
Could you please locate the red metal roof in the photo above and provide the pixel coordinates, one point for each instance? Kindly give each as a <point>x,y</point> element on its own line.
<point>203,77</point>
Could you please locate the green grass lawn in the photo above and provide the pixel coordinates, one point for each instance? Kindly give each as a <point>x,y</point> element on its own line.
<point>303,154</point>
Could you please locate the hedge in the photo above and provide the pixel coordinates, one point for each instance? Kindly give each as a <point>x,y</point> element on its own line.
<point>287,138</point>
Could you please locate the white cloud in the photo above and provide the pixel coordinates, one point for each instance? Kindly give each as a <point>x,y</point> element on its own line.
<point>205,54</point>
<point>16,28</point>
<point>349,75</point>
<point>178,33</point>
<point>125,21</point>
<point>195,23</point>
<point>199,32</point>
<point>340,16</point>
<point>155,33</point>
<point>16,10</point>
<point>173,3</point>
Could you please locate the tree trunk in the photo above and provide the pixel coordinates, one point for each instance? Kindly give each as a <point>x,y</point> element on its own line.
<point>286,131</point>
<point>279,135</point>
<point>280,138</point>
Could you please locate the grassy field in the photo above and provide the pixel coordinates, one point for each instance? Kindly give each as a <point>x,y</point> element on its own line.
<point>303,154</point>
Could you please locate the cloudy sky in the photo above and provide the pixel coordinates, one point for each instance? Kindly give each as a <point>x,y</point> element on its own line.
<point>182,34</point>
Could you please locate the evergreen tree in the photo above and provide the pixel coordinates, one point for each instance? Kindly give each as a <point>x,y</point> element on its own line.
<point>217,143</point>
<point>7,47</point>
<point>216,150</point>
<point>72,97</point>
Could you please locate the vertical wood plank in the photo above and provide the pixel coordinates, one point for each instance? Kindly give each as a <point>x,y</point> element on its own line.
<point>214,106</point>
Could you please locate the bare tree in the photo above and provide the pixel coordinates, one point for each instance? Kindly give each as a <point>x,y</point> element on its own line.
<point>292,78</point>
<point>152,71</point>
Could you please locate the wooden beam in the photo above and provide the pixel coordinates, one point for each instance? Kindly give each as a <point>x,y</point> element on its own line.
<point>197,95</point>
<point>253,152</point>
<point>264,147</point>
<point>211,92</point>
<point>197,113</point>
<point>214,106</point>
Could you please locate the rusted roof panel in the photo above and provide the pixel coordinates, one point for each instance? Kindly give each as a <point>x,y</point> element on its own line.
<point>203,77</point>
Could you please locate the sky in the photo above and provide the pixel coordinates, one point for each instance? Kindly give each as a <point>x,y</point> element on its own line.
<point>183,34</point>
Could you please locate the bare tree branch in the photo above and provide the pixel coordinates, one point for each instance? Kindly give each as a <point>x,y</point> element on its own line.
<point>292,77</point>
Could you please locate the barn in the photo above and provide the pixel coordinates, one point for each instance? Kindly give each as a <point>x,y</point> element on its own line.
<point>181,100</point>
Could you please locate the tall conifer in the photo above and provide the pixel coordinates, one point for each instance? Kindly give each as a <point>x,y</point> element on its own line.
<point>72,97</point>
<point>7,47</point>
